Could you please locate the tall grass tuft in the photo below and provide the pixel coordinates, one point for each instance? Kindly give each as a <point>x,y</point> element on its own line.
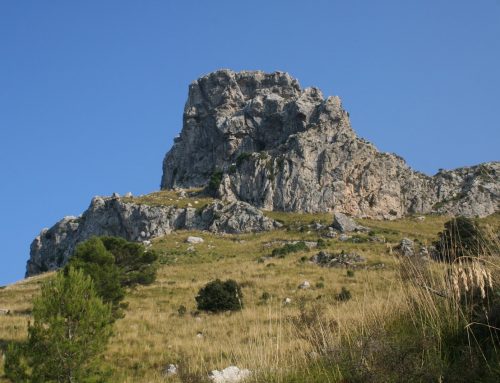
<point>444,328</point>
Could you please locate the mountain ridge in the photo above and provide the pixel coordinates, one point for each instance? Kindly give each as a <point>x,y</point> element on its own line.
<point>258,140</point>
<point>280,147</point>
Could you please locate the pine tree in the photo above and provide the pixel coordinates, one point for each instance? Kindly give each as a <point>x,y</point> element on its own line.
<point>70,330</point>
<point>114,265</point>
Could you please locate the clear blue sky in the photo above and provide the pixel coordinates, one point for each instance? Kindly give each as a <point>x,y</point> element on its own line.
<point>92,92</point>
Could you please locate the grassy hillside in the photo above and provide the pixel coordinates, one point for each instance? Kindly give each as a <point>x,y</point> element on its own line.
<point>267,336</point>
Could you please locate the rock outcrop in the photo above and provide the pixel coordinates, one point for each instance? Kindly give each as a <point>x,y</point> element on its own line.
<point>349,260</point>
<point>345,224</point>
<point>263,139</point>
<point>138,222</point>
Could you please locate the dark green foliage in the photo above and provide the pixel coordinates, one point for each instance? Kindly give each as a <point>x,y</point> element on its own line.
<point>409,351</point>
<point>70,330</point>
<point>219,296</point>
<point>242,157</point>
<point>343,295</point>
<point>350,273</point>
<point>461,237</point>
<point>320,285</point>
<point>214,182</point>
<point>16,364</point>
<point>265,296</point>
<point>138,265</point>
<point>321,243</point>
<point>95,260</point>
<point>114,264</point>
<point>182,310</point>
<point>289,248</point>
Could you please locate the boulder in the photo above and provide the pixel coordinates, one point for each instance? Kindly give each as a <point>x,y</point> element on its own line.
<point>345,224</point>
<point>170,370</point>
<point>344,237</point>
<point>4,311</point>
<point>231,374</point>
<point>194,240</point>
<point>305,285</point>
<point>406,247</point>
<point>237,217</point>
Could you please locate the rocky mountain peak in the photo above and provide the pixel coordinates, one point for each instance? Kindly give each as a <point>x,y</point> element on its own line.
<point>263,139</point>
<point>229,114</point>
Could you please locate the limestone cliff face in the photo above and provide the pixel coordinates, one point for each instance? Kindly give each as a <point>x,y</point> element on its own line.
<point>137,222</point>
<point>280,147</point>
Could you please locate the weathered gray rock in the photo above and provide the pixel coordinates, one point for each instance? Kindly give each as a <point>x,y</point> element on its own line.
<point>194,240</point>
<point>231,374</point>
<point>344,237</point>
<point>351,260</point>
<point>345,224</point>
<point>281,147</point>
<point>170,370</point>
<point>237,218</point>
<point>137,222</point>
<point>305,285</point>
<point>406,247</point>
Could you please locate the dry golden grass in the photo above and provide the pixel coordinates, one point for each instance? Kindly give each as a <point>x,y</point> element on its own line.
<point>260,337</point>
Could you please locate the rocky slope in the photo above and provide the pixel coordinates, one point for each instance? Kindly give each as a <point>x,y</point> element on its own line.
<point>138,222</point>
<point>258,140</point>
<point>262,139</point>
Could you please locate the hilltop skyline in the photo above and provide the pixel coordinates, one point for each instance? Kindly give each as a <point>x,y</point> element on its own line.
<point>92,95</point>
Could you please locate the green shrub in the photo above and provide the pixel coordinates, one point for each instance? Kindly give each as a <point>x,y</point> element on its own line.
<point>182,310</point>
<point>289,248</point>
<point>350,273</point>
<point>265,296</point>
<point>461,237</point>
<point>343,295</point>
<point>70,330</point>
<point>242,157</point>
<point>214,182</point>
<point>217,296</point>
<point>321,243</point>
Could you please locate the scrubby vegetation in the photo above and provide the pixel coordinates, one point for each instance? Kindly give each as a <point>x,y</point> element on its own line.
<point>217,296</point>
<point>214,182</point>
<point>289,248</point>
<point>461,237</point>
<point>413,320</point>
<point>71,326</point>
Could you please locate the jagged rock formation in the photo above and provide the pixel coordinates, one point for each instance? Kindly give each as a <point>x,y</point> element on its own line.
<point>137,222</point>
<point>266,141</point>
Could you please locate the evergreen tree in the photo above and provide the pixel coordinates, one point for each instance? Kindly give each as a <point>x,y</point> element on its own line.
<point>137,264</point>
<point>70,330</point>
<point>114,264</point>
